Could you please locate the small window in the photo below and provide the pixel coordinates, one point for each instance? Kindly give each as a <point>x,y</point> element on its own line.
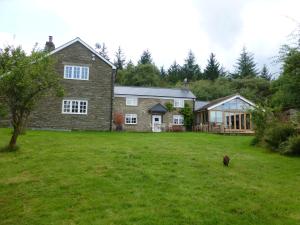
<point>178,119</point>
<point>131,101</point>
<point>76,72</point>
<point>178,103</point>
<point>130,119</point>
<point>74,107</point>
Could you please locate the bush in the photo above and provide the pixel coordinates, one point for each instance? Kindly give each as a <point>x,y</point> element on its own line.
<point>277,134</point>
<point>118,120</point>
<point>291,146</point>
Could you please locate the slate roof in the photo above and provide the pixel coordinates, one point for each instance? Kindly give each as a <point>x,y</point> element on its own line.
<point>200,104</point>
<point>158,108</point>
<point>154,92</point>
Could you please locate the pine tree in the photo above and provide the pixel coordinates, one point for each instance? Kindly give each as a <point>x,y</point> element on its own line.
<point>190,68</point>
<point>245,66</point>
<point>102,50</point>
<point>265,73</point>
<point>120,59</point>
<point>212,70</point>
<point>174,73</point>
<point>145,58</point>
<point>163,72</point>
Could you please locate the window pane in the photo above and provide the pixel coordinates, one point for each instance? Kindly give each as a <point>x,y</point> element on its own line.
<point>76,73</point>
<point>247,121</point>
<point>242,121</point>
<point>66,106</point>
<point>237,120</point>
<point>82,107</point>
<point>68,72</point>
<point>84,73</point>
<point>74,106</point>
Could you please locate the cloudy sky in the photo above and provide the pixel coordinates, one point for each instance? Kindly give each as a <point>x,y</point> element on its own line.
<point>169,28</point>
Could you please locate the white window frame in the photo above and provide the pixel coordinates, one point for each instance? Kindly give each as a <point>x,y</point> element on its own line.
<point>178,103</point>
<point>131,116</point>
<point>131,101</point>
<point>78,76</point>
<point>70,103</point>
<point>179,119</point>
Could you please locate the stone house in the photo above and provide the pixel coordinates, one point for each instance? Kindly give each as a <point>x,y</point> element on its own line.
<point>146,108</point>
<point>88,80</point>
<point>92,101</point>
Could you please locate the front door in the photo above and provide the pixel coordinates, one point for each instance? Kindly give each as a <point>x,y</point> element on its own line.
<point>156,123</point>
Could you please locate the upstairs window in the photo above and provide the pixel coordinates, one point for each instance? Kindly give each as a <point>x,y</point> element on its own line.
<point>76,72</point>
<point>74,107</point>
<point>178,103</point>
<point>131,101</point>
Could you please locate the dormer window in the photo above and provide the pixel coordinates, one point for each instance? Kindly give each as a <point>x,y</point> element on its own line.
<point>178,103</point>
<point>76,72</point>
<point>131,101</point>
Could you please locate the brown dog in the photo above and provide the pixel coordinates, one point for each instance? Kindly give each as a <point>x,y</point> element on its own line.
<point>226,160</point>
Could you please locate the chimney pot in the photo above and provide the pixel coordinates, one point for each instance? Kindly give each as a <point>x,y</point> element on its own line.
<point>50,38</point>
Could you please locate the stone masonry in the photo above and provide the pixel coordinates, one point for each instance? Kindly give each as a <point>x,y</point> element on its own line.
<point>97,90</point>
<point>144,117</point>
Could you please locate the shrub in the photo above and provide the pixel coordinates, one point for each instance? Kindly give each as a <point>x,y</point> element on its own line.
<point>291,146</point>
<point>277,134</point>
<point>169,106</point>
<point>188,116</point>
<point>118,120</point>
<point>261,118</point>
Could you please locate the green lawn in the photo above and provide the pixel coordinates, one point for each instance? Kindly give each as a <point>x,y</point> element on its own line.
<point>145,178</point>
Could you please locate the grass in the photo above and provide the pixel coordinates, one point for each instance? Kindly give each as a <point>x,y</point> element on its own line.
<point>145,178</point>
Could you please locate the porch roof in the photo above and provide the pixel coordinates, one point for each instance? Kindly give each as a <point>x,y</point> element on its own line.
<point>158,108</point>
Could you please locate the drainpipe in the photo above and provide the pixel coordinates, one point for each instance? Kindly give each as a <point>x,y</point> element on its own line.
<point>113,73</point>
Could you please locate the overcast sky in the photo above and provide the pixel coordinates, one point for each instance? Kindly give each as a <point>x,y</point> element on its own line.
<point>169,29</point>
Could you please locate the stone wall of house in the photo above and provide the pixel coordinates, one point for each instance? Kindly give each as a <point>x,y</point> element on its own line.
<point>144,118</point>
<point>97,91</point>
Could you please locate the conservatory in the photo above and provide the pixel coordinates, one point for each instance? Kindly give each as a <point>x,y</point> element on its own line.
<point>230,114</point>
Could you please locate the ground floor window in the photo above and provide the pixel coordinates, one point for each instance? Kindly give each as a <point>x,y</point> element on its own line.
<point>178,119</point>
<point>216,117</point>
<point>74,106</point>
<point>130,119</point>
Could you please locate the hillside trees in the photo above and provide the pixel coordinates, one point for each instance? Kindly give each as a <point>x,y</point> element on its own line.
<point>212,70</point>
<point>245,66</point>
<point>120,59</point>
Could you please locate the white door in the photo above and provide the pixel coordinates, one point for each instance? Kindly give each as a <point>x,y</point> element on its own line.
<point>156,123</point>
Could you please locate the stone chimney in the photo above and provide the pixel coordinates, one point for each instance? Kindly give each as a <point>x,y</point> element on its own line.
<point>49,46</point>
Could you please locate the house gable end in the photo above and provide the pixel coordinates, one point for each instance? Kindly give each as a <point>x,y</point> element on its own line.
<point>86,46</point>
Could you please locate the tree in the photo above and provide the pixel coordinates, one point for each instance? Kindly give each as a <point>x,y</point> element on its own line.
<point>140,75</point>
<point>120,59</point>
<point>174,73</point>
<point>190,68</point>
<point>146,75</point>
<point>163,72</point>
<point>212,70</point>
<point>24,80</point>
<point>245,66</point>
<point>102,50</point>
<point>286,87</point>
<point>145,58</point>
<point>265,74</point>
